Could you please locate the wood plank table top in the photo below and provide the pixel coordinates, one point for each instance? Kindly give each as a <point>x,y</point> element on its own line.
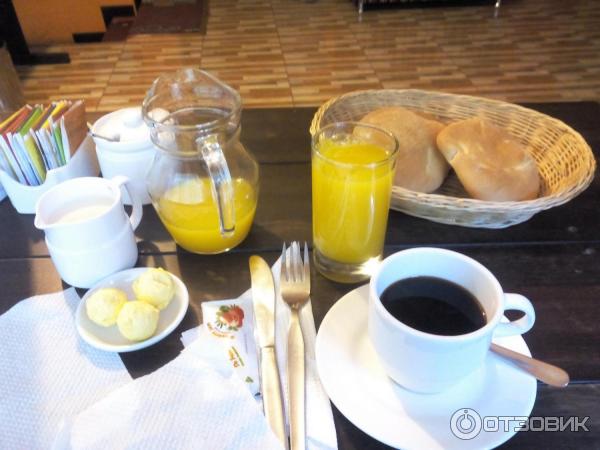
<point>553,259</point>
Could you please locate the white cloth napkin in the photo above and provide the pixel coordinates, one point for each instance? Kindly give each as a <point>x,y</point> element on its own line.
<point>47,372</point>
<point>320,428</point>
<point>193,402</point>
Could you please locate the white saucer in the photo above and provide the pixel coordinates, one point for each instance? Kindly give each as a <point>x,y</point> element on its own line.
<point>109,338</point>
<point>358,386</point>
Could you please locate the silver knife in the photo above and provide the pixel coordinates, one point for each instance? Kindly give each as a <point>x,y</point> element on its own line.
<point>263,299</point>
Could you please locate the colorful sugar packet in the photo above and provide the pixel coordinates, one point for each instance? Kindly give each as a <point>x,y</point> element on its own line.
<point>39,138</point>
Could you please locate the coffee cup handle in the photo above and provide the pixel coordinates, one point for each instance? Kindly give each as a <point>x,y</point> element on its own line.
<point>136,211</point>
<point>519,303</point>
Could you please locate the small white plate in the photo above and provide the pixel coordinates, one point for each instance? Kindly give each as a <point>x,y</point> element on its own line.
<point>358,386</point>
<point>109,338</point>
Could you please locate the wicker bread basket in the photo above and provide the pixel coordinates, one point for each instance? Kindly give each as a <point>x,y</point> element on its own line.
<point>565,161</point>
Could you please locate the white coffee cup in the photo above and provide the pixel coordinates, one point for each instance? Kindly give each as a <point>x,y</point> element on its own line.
<point>88,234</point>
<point>430,363</point>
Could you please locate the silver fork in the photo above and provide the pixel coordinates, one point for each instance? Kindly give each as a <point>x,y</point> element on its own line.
<point>294,282</point>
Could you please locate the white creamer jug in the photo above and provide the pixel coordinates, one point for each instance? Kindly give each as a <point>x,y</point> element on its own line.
<point>88,234</point>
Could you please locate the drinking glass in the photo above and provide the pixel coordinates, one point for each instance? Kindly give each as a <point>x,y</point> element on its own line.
<point>352,173</point>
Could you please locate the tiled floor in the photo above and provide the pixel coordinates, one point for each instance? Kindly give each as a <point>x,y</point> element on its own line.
<point>289,53</point>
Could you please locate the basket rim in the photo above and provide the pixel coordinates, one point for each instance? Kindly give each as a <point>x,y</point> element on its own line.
<point>451,202</point>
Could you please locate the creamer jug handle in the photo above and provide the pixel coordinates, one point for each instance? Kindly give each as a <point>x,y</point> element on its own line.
<point>222,185</point>
<point>136,204</point>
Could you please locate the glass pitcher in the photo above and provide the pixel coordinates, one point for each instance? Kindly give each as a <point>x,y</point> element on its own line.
<point>203,182</point>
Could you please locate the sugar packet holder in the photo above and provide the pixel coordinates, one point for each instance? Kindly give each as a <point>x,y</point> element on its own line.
<point>84,163</point>
<point>38,138</point>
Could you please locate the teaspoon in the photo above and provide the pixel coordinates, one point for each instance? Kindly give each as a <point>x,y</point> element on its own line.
<point>106,138</point>
<point>547,373</point>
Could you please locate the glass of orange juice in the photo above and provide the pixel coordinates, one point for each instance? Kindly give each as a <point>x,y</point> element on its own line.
<point>352,173</point>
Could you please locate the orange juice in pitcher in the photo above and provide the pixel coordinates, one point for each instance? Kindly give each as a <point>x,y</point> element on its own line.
<point>191,216</point>
<point>203,182</point>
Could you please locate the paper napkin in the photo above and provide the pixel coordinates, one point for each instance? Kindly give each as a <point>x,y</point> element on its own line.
<point>47,373</point>
<point>320,428</point>
<point>193,402</point>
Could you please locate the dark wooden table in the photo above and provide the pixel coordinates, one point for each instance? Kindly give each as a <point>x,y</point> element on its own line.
<point>553,259</point>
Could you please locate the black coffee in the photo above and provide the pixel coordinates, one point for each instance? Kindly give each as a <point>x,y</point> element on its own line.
<point>433,305</point>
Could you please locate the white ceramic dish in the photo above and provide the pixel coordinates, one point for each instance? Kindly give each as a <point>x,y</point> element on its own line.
<point>109,338</point>
<point>356,383</point>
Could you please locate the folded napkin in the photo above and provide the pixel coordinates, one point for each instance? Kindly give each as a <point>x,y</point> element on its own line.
<point>47,372</point>
<point>320,428</point>
<point>193,402</point>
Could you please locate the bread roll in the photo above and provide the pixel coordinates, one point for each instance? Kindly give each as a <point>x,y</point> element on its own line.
<point>419,165</point>
<point>489,162</point>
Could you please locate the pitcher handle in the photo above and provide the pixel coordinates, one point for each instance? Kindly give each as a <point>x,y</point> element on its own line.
<point>222,185</point>
<point>136,212</point>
